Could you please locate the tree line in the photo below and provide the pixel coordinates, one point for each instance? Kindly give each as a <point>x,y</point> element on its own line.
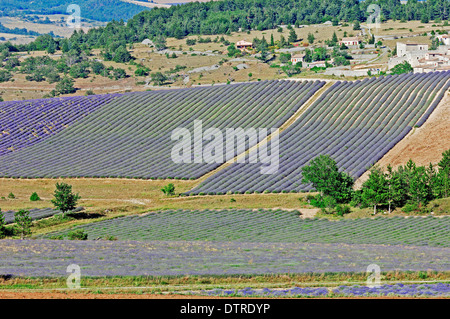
<point>224,17</point>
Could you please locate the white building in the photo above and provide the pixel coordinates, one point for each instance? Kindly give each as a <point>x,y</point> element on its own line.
<point>444,38</point>
<point>409,47</point>
<point>297,58</point>
<point>350,41</point>
<point>310,65</point>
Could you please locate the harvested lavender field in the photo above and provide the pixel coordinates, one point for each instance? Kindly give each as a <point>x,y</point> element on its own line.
<point>50,258</point>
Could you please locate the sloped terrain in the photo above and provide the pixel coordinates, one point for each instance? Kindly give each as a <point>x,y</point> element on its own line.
<point>356,123</point>
<point>131,136</point>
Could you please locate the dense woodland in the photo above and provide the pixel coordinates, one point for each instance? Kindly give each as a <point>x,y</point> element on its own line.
<point>99,10</point>
<point>223,17</point>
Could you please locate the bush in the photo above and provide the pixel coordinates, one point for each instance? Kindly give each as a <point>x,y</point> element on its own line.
<point>78,234</point>
<point>341,210</point>
<point>169,190</point>
<point>34,197</point>
<point>11,196</point>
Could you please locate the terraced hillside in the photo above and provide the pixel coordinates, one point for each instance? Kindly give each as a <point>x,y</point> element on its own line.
<point>354,122</point>
<point>131,136</point>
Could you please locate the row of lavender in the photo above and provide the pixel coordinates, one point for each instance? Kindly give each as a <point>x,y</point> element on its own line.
<point>50,258</point>
<point>24,123</point>
<point>131,137</point>
<point>245,225</point>
<point>354,122</point>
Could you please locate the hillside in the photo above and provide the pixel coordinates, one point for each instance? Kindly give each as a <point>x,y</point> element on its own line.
<point>424,145</point>
<point>356,123</point>
<point>99,10</point>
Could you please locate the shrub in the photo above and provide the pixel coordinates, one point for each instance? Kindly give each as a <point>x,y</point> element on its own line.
<point>341,210</point>
<point>78,234</point>
<point>34,197</point>
<point>11,196</point>
<point>57,237</point>
<point>169,190</point>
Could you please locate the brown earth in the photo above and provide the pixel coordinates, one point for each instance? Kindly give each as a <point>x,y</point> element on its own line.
<point>423,145</point>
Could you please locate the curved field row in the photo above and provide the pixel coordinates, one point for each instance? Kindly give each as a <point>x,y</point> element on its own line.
<point>354,122</point>
<point>24,123</point>
<point>131,136</point>
<point>269,226</point>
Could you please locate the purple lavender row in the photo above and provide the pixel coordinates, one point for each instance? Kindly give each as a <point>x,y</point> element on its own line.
<point>25,123</point>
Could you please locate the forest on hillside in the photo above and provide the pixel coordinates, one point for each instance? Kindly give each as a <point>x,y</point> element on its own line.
<point>99,10</point>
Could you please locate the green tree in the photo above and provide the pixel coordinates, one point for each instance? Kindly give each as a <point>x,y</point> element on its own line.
<point>158,78</point>
<point>34,197</point>
<point>292,36</point>
<point>232,51</point>
<point>2,225</point>
<point>334,39</point>
<point>5,75</point>
<point>119,73</point>
<point>160,42</point>
<point>401,68</point>
<point>122,55</point>
<point>326,178</point>
<point>23,222</point>
<point>169,189</point>
<point>444,172</point>
<point>283,42</point>
<point>375,190</point>
<point>64,199</point>
<point>356,25</point>
<point>311,38</point>
<point>65,86</point>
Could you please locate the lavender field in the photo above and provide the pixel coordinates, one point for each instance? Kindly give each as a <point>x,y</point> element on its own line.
<point>356,123</point>
<point>131,136</point>
<point>406,290</point>
<point>244,225</point>
<point>25,123</point>
<point>50,258</point>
